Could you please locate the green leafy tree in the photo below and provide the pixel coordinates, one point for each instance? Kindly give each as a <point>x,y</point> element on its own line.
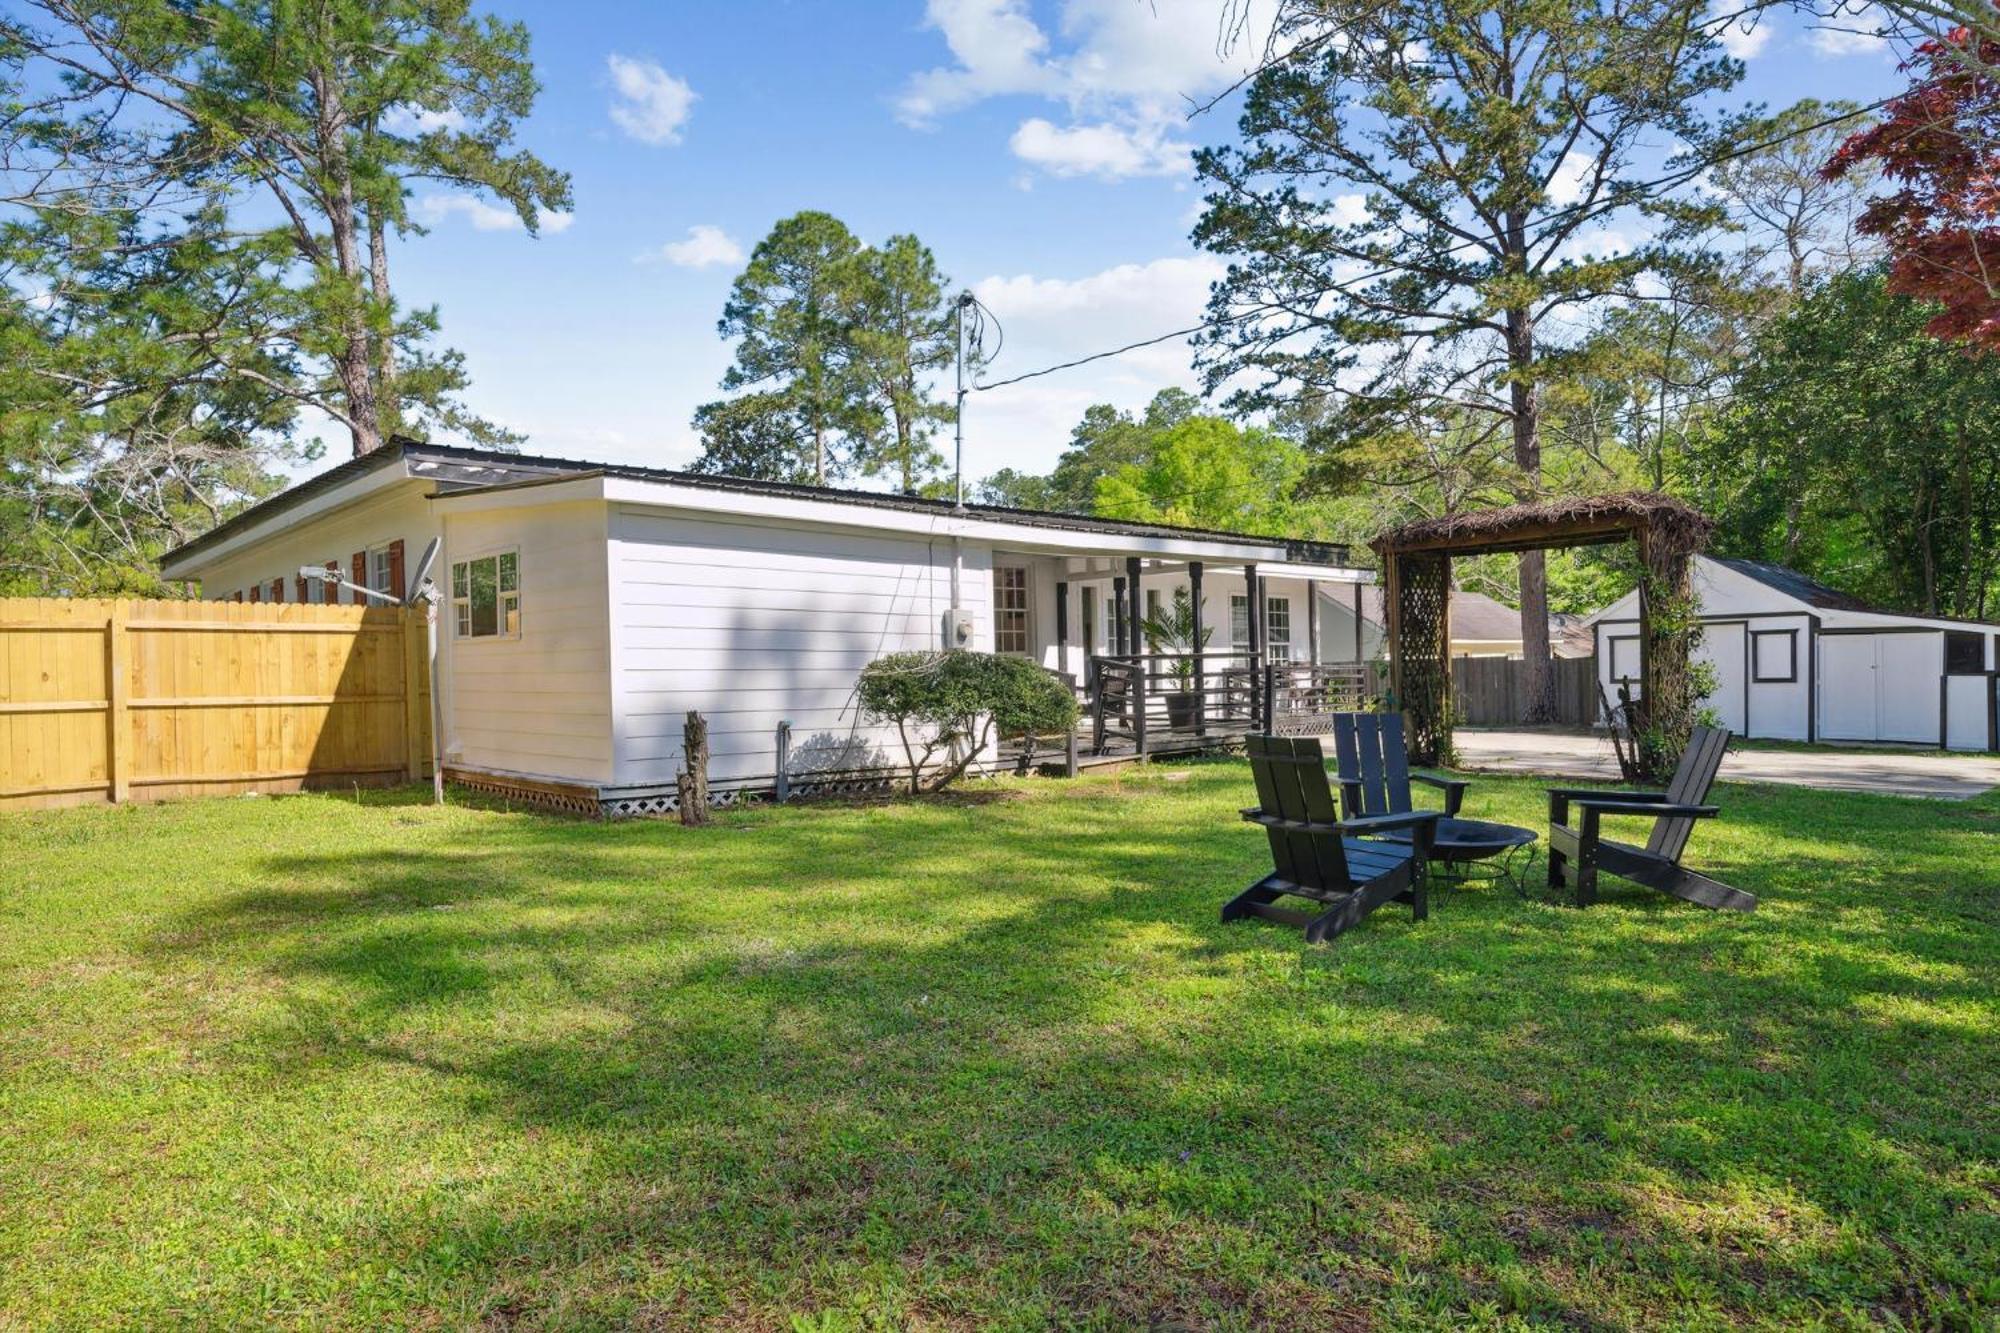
<point>953,703</point>
<point>808,411</point>
<point>903,337</point>
<point>1104,442</point>
<point>1863,450</point>
<point>1207,472</point>
<point>1416,204</point>
<point>320,113</point>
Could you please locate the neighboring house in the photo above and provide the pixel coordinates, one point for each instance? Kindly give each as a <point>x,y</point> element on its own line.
<point>588,608</point>
<point>1797,660</point>
<point>1480,627</point>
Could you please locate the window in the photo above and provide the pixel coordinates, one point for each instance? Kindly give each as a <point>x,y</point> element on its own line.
<point>1152,603</point>
<point>1774,656</point>
<point>1278,629</point>
<point>1010,610</point>
<point>1964,653</point>
<point>1624,658</point>
<point>486,596</point>
<point>1239,624</point>
<point>381,573</point>
<point>1090,644</point>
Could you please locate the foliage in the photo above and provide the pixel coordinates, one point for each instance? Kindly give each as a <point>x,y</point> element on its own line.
<point>1105,441</point>
<point>987,1062</point>
<point>1939,145</point>
<point>957,700</point>
<point>1862,450</point>
<point>837,344</point>
<point>1171,629</point>
<point>1417,209</point>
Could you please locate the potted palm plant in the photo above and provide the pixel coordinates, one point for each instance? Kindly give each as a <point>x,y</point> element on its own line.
<point>1170,630</point>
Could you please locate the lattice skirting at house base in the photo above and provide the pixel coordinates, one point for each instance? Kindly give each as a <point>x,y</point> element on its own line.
<point>656,802</point>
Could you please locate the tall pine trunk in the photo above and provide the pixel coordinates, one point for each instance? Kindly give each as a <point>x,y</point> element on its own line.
<point>386,400</point>
<point>1526,411</point>
<point>353,362</point>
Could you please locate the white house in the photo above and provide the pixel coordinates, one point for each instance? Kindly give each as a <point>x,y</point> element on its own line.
<point>1797,660</point>
<point>590,607</point>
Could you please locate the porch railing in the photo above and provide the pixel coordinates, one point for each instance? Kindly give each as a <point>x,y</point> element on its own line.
<point>1147,698</point>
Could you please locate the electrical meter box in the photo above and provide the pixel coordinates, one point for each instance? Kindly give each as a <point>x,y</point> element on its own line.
<point>957,628</point>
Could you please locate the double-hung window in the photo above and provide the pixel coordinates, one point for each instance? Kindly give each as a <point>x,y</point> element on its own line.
<point>486,596</point>
<point>1277,627</point>
<point>380,572</point>
<point>1010,620</point>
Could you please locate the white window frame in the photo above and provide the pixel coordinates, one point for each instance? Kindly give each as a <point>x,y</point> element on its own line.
<point>461,603</point>
<point>1276,609</point>
<point>1239,623</point>
<point>381,572</point>
<point>1091,619</point>
<point>1004,615</point>
<point>1611,642</point>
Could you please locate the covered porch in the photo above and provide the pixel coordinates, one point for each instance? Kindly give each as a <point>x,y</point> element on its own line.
<point>1176,654</point>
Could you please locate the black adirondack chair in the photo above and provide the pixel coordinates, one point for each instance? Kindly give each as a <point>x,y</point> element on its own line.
<point>1341,864</point>
<point>1581,852</point>
<point>1375,774</point>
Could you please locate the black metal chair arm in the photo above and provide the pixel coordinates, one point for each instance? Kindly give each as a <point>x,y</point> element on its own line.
<point>1363,826</point>
<point>1650,809</point>
<point>1453,789</point>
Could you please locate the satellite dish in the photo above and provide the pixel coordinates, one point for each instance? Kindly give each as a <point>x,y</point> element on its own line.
<point>424,564</point>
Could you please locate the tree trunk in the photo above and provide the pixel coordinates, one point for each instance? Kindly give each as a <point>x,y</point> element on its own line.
<point>692,784</point>
<point>1538,681</point>
<point>353,363</point>
<point>386,399</point>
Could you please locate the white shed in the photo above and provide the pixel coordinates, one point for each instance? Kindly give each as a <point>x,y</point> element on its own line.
<point>1797,660</point>
<point>590,607</point>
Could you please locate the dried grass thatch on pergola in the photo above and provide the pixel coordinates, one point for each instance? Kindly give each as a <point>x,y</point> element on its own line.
<point>1416,560</point>
<point>1581,520</point>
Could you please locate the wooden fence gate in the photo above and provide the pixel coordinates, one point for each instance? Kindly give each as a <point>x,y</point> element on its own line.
<point>147,700</point>
<point>1492,691</point>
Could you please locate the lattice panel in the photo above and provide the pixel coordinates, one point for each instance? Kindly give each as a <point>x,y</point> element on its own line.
<point>1423,652</point>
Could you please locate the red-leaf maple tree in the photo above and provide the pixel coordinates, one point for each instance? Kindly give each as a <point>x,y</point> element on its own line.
<point>1939,145</point>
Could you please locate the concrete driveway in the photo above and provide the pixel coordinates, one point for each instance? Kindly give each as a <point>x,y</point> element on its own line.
<point>1571,754</point>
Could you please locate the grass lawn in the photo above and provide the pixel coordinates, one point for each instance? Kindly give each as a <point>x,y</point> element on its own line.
<point>983,1062</point>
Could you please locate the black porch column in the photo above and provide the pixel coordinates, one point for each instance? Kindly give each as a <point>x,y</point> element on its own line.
<point>1200,676</point>
<point>1118,617</point>
<point>1062,626</point>
<point>1254,621</point>
<point>1358,652</point>
<point>1132,618</point>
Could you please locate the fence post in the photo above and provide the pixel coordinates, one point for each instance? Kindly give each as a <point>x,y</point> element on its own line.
<point>416,652</point>
<point>117,719</point>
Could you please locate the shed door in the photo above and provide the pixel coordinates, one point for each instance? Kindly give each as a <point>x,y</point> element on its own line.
<point>1723,645</point>
<point>1847,687</point>
<point>1907,668</point>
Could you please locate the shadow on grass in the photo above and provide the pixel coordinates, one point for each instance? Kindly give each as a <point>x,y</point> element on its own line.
<point>969,1053</point>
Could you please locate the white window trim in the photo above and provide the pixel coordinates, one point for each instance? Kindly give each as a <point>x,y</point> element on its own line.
<point>1026,610</point>
<point>388,570</point>
<point>1271,641</point>
<point>499,610</point>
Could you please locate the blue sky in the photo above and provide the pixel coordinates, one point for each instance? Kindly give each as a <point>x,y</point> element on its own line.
<point>1040,149</point>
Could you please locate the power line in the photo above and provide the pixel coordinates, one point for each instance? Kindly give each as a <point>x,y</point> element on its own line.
<point>1680,177</point>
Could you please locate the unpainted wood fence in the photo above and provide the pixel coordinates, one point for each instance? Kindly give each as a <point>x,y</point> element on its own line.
<point>1493,691</point>
<point>145,700</point>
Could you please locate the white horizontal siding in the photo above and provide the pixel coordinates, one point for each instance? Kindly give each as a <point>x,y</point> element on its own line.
<point>754,623</point>
<point>540,704</point>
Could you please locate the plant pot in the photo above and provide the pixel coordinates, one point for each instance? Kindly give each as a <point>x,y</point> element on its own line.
<point>1180,710</point>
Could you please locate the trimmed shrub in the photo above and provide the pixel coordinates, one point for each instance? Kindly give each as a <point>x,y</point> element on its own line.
<point>955,702</point>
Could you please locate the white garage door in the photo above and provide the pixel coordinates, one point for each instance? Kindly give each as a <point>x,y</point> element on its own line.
<point>1880,687</point>
<point>1723,645</point>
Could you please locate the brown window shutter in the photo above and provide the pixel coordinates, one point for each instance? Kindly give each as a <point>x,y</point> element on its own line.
<point>330,592</point>
<point>256,592</point>
<point>360,577</point>
<point>238,596</point>
<point>304,593</point>
<point>396,587</point>
<point>277,590</point>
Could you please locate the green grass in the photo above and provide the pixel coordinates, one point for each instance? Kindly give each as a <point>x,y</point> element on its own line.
<point>983,1062</point>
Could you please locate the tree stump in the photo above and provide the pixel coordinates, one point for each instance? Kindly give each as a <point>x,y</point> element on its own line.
<point>693,780</point>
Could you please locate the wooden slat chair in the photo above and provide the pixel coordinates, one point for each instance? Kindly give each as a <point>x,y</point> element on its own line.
<point>1582,852</point>
<point>1337,863</point>
<point>1374,760</point>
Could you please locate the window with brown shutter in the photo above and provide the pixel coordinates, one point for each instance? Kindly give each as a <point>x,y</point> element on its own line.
<point>238,596</point>
<point>360,578</point>
<point>256,592</point>
<point>277,590</point>
<point>305,594</point>
<point>396,588</point>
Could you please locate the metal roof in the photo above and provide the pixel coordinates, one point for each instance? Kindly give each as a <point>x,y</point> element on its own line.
<point>458,470</point>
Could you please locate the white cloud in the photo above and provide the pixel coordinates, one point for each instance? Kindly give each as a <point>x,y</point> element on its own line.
<point>1350,209</point>
<point>648,103</point>
<point>1851,30</point>
<point>705,247</point>
<point>1124,74</point>
<point>1572,177</point>
<point>409,118</point>
<point>485,215</point>
<point>1745,43</point>
<point>1107,151</point>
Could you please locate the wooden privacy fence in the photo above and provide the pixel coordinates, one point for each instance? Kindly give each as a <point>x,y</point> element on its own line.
<point>1493,691</point>
<point>146,700</point>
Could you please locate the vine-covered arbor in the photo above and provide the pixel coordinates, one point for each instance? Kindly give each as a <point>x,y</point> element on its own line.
<point>1416,561</point>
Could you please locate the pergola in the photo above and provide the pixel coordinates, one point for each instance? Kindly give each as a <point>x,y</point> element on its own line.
<point>1416,561</point>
